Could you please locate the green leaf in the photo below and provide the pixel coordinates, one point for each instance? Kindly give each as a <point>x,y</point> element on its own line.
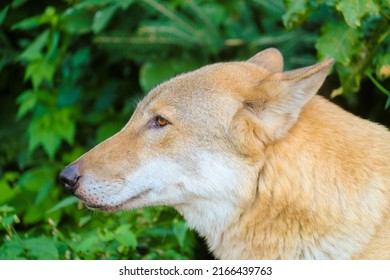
<point>344,44</point>
<point>34,51</point>
<point>68,95</point>
<point>50,143</point>
<point>8,191</point>
<point>40,134</point>
<point>106,235</point>
<point>49,130</point>
<point>84,220</point>
<point>64,125</point>
<point>180,232</point>
<point>63,203</point>
<point>49,16</point>
<point>28,23</point>
<point>89,242</point>
<point>42,248</point>
<point>43,192</point>
<point>77,20</point>
<point>17,3</point>
<point>26,101</point>
<point>7,221</point>
<point>33,216</point>
<point>6,209</point>
<point>296,12</point>
<point>31,180</point>
<point>39,181</point>
<point>102,18</point>
<point>350,78</point>
<point>340,42</point>
<point>40,70</point>
<point>125,236</point>
<point>210,14</point>
<point>354,10</point>
<point>11,250</point>
<point>81,57</point>
<point>3,14</point>
<point>52,50</point>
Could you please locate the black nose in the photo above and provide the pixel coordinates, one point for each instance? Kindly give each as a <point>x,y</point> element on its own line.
<point>69,177</point>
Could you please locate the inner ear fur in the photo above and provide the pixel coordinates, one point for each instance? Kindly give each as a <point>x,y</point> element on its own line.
<point>275,105</point>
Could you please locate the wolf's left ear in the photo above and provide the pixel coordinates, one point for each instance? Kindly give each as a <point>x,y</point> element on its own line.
<point>287,93</point>
<point>273,106</point>
<point>270,59</point>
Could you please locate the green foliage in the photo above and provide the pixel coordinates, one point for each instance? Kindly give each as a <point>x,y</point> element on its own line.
<point>355,33</point>
<point>72,71</point>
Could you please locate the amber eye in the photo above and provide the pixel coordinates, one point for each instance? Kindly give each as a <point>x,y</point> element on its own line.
<point>161,122</point>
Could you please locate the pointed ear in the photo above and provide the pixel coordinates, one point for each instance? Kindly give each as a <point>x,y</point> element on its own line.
<point>292,90</point>
<point>275,106</point>
<point>270,59</point>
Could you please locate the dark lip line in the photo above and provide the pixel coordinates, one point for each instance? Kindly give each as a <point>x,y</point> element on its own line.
<point>108,208</point>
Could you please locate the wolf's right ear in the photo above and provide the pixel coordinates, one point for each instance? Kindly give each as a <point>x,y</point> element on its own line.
<point>270,59</point>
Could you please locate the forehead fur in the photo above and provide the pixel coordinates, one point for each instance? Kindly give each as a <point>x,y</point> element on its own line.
<point>233,79</point>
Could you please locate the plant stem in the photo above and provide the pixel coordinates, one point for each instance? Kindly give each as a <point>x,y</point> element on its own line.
<point>378,85</point>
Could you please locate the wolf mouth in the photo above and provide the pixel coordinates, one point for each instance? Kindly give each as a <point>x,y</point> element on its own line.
<point>117,207</point>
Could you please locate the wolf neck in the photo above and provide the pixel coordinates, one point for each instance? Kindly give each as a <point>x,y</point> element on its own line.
<point>215,195</point>
<point>210,220</point>
<point>306,205</point>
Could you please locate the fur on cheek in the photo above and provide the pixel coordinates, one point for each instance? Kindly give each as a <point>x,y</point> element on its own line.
<point>247,136</point>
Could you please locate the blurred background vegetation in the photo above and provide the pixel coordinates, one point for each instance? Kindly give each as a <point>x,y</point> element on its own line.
<point>71,72</point>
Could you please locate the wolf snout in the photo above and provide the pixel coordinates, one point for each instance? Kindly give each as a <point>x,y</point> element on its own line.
<point>69,177</point>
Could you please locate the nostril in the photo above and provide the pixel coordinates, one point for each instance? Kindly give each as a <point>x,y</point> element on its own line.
<point>69,177</point>
<point>69,181</point>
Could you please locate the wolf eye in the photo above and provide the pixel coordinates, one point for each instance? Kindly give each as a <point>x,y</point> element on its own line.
<point>160,121</point>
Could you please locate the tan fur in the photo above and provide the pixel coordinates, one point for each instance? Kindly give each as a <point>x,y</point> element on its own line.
<point>255,163</point>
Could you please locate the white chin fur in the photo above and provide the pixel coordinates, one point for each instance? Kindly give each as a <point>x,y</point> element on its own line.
<point>206,189</point>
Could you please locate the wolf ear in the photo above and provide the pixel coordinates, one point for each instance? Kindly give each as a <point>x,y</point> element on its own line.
<point>286,94</point>
<point>274,106</point>
<point>270,59</point>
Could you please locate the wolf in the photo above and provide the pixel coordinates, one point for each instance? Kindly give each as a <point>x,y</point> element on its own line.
<point>254,160</point>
